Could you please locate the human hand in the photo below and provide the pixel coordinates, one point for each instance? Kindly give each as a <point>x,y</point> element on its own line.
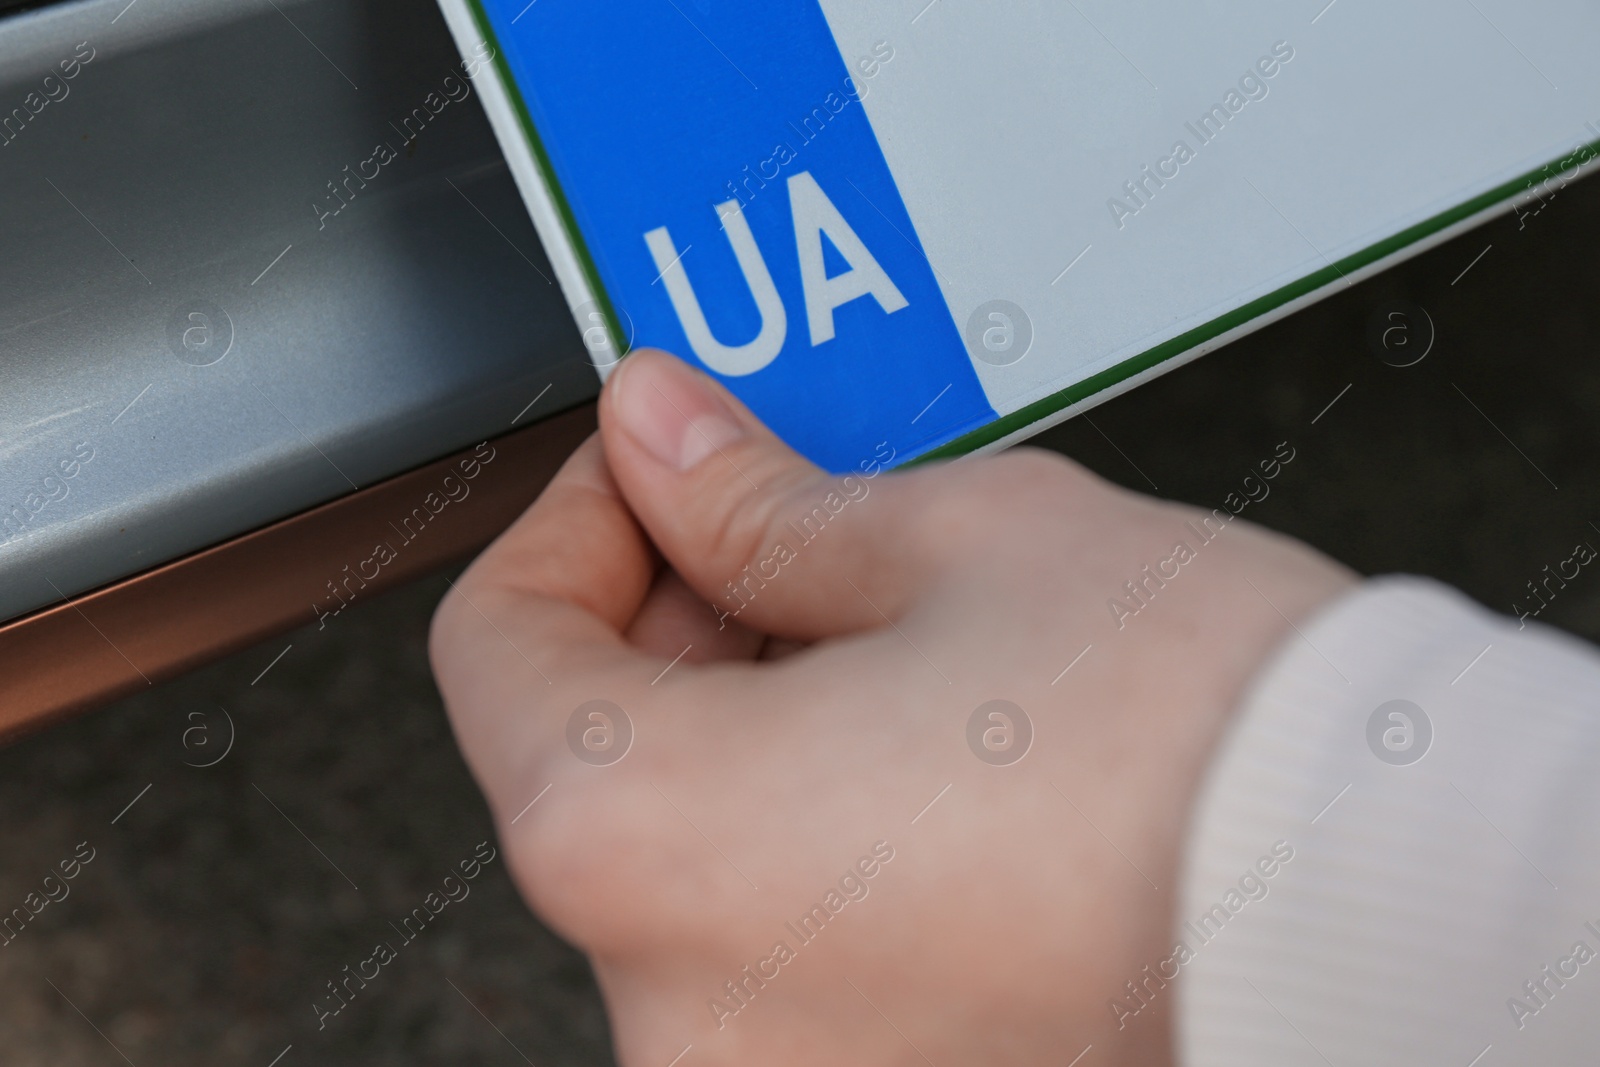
<point>816,740</point>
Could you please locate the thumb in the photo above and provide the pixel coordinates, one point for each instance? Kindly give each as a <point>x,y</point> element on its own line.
<point>754,527</point>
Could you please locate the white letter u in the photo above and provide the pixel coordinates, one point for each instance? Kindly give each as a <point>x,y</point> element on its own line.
<point>730,360</point>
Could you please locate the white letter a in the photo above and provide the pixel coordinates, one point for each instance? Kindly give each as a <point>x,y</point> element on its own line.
<point>814,215</point>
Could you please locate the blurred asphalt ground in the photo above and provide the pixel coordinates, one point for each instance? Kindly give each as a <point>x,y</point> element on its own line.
<point>206,923</point>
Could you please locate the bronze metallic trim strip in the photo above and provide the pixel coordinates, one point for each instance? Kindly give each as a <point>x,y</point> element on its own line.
<point>129,635</point>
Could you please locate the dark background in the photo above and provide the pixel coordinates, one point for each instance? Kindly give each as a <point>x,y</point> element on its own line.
<point>207,923</point>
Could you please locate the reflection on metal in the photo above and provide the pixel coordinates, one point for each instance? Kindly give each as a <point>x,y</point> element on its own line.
<point>152,314</point>
<point>142,630</point>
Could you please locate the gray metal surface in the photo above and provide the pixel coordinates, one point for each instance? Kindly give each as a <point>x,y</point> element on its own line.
<point>175,175</point>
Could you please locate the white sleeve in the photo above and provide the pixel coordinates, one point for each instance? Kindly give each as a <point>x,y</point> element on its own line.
<point>1434,910</point>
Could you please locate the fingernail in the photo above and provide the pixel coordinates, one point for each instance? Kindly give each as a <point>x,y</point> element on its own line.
<point>671,410</point>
